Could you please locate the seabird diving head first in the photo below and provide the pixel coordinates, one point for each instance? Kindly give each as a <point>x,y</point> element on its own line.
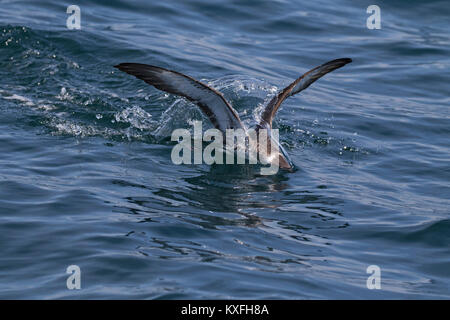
<point>220,112</point>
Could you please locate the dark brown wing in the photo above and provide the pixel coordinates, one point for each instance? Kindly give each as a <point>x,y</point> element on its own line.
<point>298,85</point>
<point>210,101</point>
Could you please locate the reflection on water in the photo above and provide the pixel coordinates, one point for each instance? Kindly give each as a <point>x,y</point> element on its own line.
<point>226,197</point>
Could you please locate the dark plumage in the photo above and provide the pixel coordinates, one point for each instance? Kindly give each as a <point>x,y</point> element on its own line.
<point>213,104</point>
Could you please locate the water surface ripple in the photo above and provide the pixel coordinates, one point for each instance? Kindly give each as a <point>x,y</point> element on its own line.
<point>86,176</point>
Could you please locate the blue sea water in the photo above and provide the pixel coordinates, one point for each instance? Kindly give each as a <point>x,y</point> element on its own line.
<point>86,177</point>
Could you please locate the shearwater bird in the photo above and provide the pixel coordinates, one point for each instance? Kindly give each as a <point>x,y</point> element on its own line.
<point>213,104</point>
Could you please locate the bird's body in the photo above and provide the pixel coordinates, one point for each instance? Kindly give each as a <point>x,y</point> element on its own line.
<point>213,104</point>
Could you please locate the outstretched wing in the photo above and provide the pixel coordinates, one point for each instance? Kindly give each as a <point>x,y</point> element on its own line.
<point>298,85</point>
<point>210,101</point>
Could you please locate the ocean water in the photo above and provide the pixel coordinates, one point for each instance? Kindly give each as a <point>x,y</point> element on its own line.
<point>86,177</point>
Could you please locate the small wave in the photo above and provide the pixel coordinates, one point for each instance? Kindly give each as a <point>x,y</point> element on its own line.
<point>26,101</point>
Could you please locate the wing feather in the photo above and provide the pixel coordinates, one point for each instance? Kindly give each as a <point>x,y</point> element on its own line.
<point>298,85</point>
<point>210,101</point>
